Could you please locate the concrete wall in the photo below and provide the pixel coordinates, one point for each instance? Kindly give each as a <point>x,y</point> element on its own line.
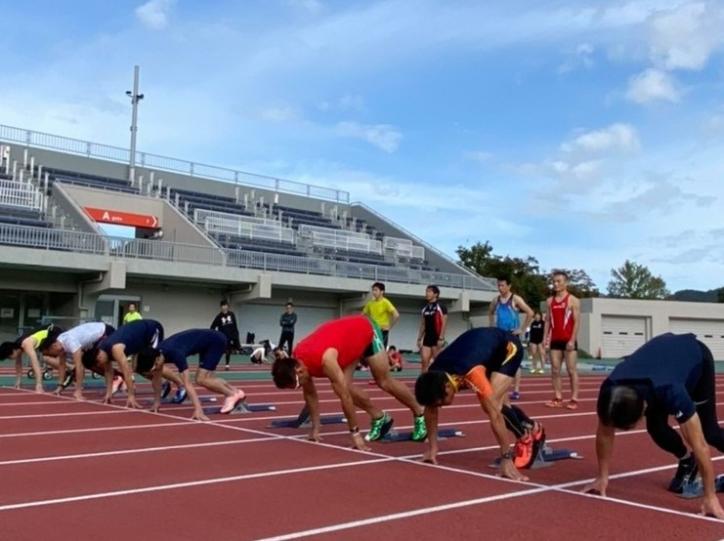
<point>658,314</point>
<point>176,227</point>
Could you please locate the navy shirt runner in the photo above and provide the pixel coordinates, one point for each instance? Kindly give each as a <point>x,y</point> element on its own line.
<point>209,345</point>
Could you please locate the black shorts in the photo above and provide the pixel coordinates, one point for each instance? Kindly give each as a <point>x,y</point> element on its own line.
<point>560,345</point>
<point>430,340</point>
<point>535,341</point>
<point>512,365</point>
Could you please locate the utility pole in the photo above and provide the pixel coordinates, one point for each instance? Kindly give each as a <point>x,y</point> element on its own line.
<point>135,98</point>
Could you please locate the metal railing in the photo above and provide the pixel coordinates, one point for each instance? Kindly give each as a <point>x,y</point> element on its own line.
<point>89,149</point>
<point>244,226</point>
<point>76,241</point>
<point>340,239</point>
<point>51,239</point>
<point>403,247</point>
<point>20,195</point>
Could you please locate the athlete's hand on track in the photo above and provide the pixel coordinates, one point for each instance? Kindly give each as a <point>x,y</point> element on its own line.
<point>154,408</point>
<point>38,389</point>
<point>358,442</point>
<point>132,403</point>
<point>57,391</point>
<point>598,487</point>
<point>712,507</point>
<point>430,457</point>
<point>314,436</point>
<point>199,416</point>
<point>508,470</point>
<point>78,395</point>
<point>17,386</point>
<point>108,399</point>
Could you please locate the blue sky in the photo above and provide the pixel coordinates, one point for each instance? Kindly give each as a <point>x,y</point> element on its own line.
<point>581,132</point>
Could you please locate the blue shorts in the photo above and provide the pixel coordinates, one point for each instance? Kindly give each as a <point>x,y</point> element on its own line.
<point>210,357</point>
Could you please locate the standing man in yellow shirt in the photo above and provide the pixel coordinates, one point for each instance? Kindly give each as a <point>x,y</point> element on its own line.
<point>132,314</point>
<point>380,310</point>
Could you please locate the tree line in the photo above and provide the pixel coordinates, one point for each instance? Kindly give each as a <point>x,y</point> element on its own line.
<point>630,281</point>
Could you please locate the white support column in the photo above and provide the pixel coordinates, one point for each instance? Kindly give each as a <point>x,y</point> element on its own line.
<point>151,179</point>
<point>32,166</point>
<point>15,169</point>
<point>140,184</point>
<point>236,194</point>
<point>46,180</point>
<point>40,174</point>
<point>21,176</point>
<point>160,188</point>
<point>25,158</point>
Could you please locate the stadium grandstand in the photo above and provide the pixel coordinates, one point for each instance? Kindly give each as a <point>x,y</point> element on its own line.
<point>198,234</point>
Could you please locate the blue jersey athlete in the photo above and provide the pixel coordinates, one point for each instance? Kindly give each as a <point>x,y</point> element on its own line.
<point>210,346</point>
<point>486,361</point>
<point>127,341</point>
<point>672,374</point>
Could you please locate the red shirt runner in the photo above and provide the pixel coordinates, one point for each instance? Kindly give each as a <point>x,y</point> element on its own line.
<point>561,319</point>
<point>350,336</point>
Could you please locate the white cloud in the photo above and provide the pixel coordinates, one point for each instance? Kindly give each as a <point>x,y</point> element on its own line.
<point>651,85</point>
<point>686,36</point>
<point>480,156</point>
<point>154,13</point>
<point>383,136</point>
<point>312,6</point>
<point>616,137</point>
<point>582,57</point>
<point>348,102</point>
<point>278,114</point>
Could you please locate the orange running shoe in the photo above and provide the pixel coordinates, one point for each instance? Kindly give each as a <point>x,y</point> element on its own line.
<point>523,451</point>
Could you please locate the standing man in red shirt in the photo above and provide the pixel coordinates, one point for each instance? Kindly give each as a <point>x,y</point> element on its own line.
<point>561,338</point>
<point>433,323</point>
<point>332,351</point>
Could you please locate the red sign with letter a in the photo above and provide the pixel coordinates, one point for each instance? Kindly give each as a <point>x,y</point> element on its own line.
<point>107,216</point>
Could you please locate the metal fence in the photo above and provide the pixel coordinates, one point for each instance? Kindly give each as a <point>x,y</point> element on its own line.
<point>164,163</point>
<point>340,239</point>
<point>404,247</point>
<point>156,250</point>
<point>20,195</point>
<point>243,226</point>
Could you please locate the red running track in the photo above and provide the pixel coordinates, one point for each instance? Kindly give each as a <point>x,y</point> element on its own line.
<point>89,471</point>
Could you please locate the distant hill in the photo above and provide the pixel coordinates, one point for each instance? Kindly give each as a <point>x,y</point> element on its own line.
<point>694,295</point>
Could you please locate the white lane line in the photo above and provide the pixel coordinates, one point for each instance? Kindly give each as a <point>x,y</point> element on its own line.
<point>180,422</point>
<point>45,415</point>
<point>187,484</point>
<point>130,451</point>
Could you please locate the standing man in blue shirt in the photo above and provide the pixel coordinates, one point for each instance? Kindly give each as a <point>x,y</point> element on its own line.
<point>670,375</point>
<point>504,313</point>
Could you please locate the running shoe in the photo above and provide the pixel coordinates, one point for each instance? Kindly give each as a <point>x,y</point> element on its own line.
<point>555,403</point>
<point>117,383</point>
<point>379,427</point>
<point>515,395</point>
<point>232,401</point>
<point>180,396</point>
<point>226,367</point>
<point>420,431</point>
<point>165,390</point>
<point>69,377</point>
<point>686,471</point>
<point>523,452</point>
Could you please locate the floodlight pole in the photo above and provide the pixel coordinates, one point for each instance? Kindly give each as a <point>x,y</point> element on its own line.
<point>135,98</point>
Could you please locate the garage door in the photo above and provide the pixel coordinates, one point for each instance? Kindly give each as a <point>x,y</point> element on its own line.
<point>622,335</point>
<point>709,331</point>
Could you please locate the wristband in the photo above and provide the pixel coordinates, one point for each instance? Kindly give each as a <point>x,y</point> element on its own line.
<point>354,431</point>
<point>508,455</point>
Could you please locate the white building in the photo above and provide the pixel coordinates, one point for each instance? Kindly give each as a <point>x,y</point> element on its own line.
<point>616,327</point>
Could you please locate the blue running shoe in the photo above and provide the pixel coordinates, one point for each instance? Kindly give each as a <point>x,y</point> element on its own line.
<point>180,396</point>
<point>165,390</point>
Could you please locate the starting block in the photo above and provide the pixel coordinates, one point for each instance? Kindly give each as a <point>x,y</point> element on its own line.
<point>442,434</point>
<point>695,489</point>
<point>304,423</point>
<point>546,457</point>
<point>241,408</point>
<point>302,420</point>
